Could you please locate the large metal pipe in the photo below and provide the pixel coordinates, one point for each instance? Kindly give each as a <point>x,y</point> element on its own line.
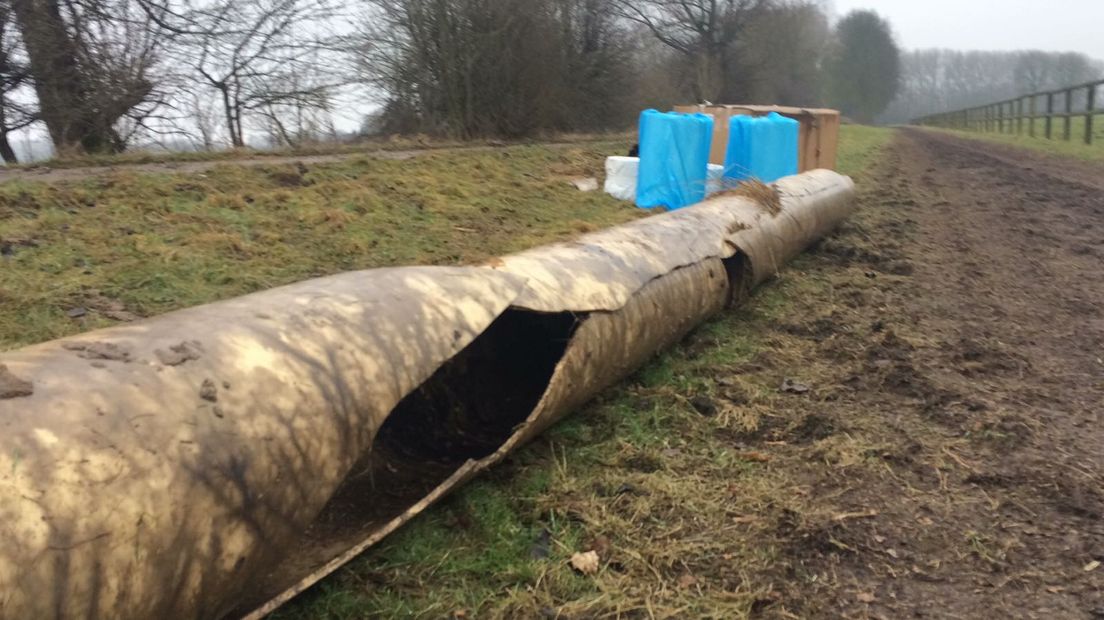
<point>218,460</point>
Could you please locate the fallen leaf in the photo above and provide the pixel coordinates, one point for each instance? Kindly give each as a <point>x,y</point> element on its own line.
<point>865,597</point>
<point>586,562</point>
<point>1091,566</point>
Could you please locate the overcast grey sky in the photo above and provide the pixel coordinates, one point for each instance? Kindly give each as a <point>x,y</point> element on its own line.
<point>1054,25</point>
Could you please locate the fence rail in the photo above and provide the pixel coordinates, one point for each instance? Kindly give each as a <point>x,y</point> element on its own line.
<point>1013,116</point>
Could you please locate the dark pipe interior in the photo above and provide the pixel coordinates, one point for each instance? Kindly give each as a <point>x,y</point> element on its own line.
<point>738,269</point>
<point>472,403</point>
<point>465,410</point>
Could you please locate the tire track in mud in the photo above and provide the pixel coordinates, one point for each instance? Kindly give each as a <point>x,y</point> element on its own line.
<point>979,387</point>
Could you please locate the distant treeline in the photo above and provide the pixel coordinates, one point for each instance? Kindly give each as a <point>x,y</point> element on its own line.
<point>937,80</point>
<point>103,75</point>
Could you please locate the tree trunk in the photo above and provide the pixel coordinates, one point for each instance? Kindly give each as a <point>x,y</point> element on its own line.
<point>6,151</point>
<point>228,111</point>
<point>710,76</point>
<point>64,99</point>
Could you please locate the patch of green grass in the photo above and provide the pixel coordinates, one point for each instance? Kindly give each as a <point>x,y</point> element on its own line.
<point>151,243</point>
<point>1055,145</point>
<point>859,146</point>
<point>664,491</point>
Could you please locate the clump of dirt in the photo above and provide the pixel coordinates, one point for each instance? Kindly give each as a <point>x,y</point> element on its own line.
<point>208,391</point>
<point>704,405</point>
<point>12,386</point>
<point>890,347</point>
<point>847,252</point>
<point>180,353</point>
<point>9,247</point>
<point>643,462</point>
<point>813,427</point>
<point>289,176</point>
<point>977,358</point>
<point>100,351</point>
<point>818,330</point>
<point>113,309</point>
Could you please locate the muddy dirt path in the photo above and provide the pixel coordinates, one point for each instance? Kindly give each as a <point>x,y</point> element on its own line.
<point>969,370</point>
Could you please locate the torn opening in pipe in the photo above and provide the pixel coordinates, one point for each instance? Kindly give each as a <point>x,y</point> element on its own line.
<point>465,411</point>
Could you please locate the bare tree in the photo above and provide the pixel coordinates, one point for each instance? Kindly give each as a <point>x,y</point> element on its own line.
<point>295,121</point>
<point>93,63</point>
<point>782,51</point>
<point>495,67</point>
<point>705,32</point>
<point>255,54</point>
<point>15,110</point>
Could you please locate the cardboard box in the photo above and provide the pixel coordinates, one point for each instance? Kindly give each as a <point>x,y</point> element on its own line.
<point>818,140</point>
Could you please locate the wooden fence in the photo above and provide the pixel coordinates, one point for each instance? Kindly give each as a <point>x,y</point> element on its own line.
<point>1020,115</point>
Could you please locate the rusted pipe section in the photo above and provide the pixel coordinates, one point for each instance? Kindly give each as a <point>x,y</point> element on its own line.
<point>216,461</point>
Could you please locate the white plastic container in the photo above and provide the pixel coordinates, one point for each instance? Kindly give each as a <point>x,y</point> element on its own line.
<point>621,173</point>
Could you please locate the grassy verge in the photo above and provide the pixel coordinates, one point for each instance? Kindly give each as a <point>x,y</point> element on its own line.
<point>127,244</point>
<point>1056,145</point>
<point>661,476</point>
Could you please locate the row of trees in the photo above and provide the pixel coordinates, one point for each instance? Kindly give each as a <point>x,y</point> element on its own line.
<point>100,75</point>
<point>937,80</point>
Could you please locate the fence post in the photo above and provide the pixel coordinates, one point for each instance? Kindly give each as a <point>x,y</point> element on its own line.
<point>1069,113</point>
<point>1031,121</point>
<point>1090,104</point>
<point>1019,116</point>
<point>1049,111</point>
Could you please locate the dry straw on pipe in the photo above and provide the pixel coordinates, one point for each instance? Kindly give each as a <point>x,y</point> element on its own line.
<point>216,461</point>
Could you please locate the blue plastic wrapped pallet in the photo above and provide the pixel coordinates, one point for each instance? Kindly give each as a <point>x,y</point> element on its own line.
<point>761,147</point>
<point>674,159</point>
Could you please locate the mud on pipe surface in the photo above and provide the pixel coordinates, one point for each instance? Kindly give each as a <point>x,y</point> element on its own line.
<point>216,461</point>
